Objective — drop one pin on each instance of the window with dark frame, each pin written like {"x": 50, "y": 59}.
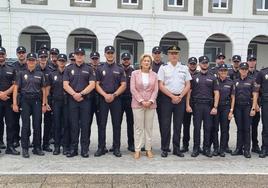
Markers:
{"x": 262, "y": 5}
{"x": 220, "y": 4}
{"x": 83, "y": 1}
{"x": 175, "y": 3}
{"x": 130, "y": 2}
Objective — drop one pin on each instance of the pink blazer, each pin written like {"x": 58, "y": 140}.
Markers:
{"x": 139, "y": 93}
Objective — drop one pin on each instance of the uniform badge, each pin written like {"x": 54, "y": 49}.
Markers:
{"x": 55, "y": 77}
{"x": 25, "y": 76}
{"x": 103, "y": 73}
{"x": 266, "y": 76}
{"x": 197, "y": 80}
{"x": 215, "y": 75}
{"x": 72, "y": 72}
{"x": 236, "y": 83}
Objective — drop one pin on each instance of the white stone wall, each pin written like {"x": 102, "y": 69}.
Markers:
{"x": 106, "y": 21}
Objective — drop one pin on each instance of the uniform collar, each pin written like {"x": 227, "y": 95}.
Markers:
{"x": 177, "y": 65}
{"x": 110, "y": 65}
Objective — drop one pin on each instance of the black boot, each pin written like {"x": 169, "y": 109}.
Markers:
{"x": 2, "y": 145}
{"x": 38, "y": 151}
{"x": 237, "y": 152}
{"x": 215, "y": 152}
{"x": 131, "y": 148}
{"x": 100, "y": 152}
{"x": 256, "y": 149}
{"x": 178, "y": 153}
{"x": 72, "y": 153}
{"x": 184, "y": 149}
{"x": 263, "y": 153}
{"x": 195, "y": 153}
{"x": 25, "y": 153}
{"x": 11, "y": 150}
{"x": 56, "y": 151}
{"x": 117, "y": 153}
{"x": 247, "y": 154}
{"x": 207, "y": 153}
{"x": 47, "y": 148}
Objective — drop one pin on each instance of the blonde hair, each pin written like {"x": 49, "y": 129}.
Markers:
{"x": 143, "y": 57}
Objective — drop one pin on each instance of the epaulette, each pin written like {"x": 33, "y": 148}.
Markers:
{"x": 68, "y": 64}
{"x": 51, "y": 67}
{"x": 11, "y": 64}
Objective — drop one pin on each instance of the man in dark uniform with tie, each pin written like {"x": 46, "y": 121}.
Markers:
{"x": 31, "y": 84}
{"x": 111, "y": 83}
{"x": 78, "y": 82}
{"x": 204, "y": 94}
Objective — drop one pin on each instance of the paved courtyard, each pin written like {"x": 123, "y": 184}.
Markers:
{"x": 127, "y": 165}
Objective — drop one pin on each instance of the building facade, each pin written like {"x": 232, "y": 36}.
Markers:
{"x": 197, "y": 26}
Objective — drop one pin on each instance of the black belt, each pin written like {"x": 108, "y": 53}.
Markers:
{"x": 202, "y": 101}
{"x": 243, "y": 103}
{"x": 224, "y": 103}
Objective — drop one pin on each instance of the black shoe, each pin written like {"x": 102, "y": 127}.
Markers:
{"x": 117, "y": 153}
{"x": 131, "y": 148}
{"x": 256, "y": 149}
{"x": 178, "y": 153}
{"x": 215, "y": 152}
{"x": 263, "y": 153}
{"x": 47, "y": 148}
{"x": 72, "y": 154}
{"x": 65, "y": 151}
{"x": 228, "y": 150}
{"x": 237, "y": 152}
{"x": 195, "y": 153}
{"x": 222, "y": 153}
{"x": 2, "y": 145}
{"x": 56, "y": 151}
{"x": 16, "y": 144}
{"x": 200, "y": 150}
{"x": 84, "y": 154}
{"x": 25, "y": 153}
{"x": 12, "y": 151}
{"x": 164, "y": 154}
{"x": 207, "y": 153}
{"x": 247, "y": 154}
{"x": 38, "y": 151}
{"x": 184, "y": 149}
{"x": 100, "y": 152}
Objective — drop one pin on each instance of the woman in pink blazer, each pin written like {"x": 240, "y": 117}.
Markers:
{"x": 144, "y": 88}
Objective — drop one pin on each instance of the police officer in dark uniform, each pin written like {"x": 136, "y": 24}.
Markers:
{"x": 192, "y": 65}
{"x": 234, "y": 72}
{"x": 225, "y": 111}
{"x": 219, "y": 61}
{"x": 71, "y": 58}
{"x": 19, "y": 65}
{"x": 157, "y": 62}
{"x": 262, "y": 81}
{"x": 252, "y": 73}
{"x": 53, "y": 57}
{"x": 78, "y": 82}
{"x": 204, "y": 94}
{"x": 95, "y": 97}
{"x": 7, "y": 77}
{"x": 31, "y": 84}
{"x": 126, "y": 101}
{"x": 245, "y": 89}
{"x": 46, "y": 69}
{"x": 111, "y": 83}
{"x": 59, "y": 105}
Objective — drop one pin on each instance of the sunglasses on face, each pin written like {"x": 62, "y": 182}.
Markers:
{"x": 110, "y": 52}
{"x": 94, "y": 58}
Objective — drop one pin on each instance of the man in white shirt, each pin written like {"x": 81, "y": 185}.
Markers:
{"x": 174, "y": 82}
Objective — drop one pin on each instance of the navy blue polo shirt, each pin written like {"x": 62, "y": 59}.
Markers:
{"x": 156, "y": 66}
{"x": 110, "y": 77}
{"x": 262, "y": 81}
{"x": 7, "y": 76}
{"x": 78, "y": 76}
{"x": 243, "y": 89}
{"x": 128, "y": 72}
{"x": 55, "y": 81}
{"x": 203, "y": 86}
{"x": 226, "y": 90}
{"x": 31, "y": 83}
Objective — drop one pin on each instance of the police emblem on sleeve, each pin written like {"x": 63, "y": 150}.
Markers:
{"x": 25, "y": 76}
{"x": 55, "y": 77}
{"x": 197, "y": 80}
{"x": 236, "y": 83}
{"x": 72, "y": 72}
{"x": 103, "y": 73}
{"x": 266, "y": 76}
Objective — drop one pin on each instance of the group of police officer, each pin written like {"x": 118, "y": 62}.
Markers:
{"x": 69, "y": 93}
